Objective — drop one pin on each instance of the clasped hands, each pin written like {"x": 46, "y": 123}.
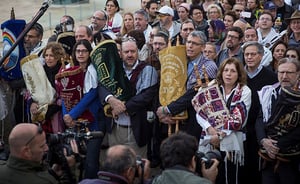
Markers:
{"x": 270, "y": 147}
{"x": 117, "y": 106}
{"x": 164, "y": 116}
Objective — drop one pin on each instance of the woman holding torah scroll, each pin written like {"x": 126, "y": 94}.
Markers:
{"x": 45, "y": 106}
{"x": 87, "y": 106}
{"x": 222, "y": 109}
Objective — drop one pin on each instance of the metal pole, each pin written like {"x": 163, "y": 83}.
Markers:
{"x": 40, "y": 13}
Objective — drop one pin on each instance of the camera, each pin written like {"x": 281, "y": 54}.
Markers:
{"x": 60, "y": 142}
{"x": 207, "y": 158}
{"x": 139, "y": 164}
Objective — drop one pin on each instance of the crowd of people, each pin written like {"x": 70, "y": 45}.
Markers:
{"x": 240, "y": 99}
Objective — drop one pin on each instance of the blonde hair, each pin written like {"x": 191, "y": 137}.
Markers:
{"x": 124, "y": 30}
{"x": 218, "y": 9}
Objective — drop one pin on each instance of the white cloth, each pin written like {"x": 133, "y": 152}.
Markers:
{"x": 90, "y": 79}
{"x": 267, "y": 40}
{"x": 265, "y": 98}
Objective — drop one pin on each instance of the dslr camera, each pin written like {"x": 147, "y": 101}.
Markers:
{"x": 207, "y": 158}
{"x": 139, "y": 164}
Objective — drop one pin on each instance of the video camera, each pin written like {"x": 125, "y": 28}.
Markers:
{"x": 60, "y": 141}
{"x": 207, "y": 158}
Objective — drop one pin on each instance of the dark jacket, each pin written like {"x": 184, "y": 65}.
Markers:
{"x": 19, "y": 171}
{"x": 106, "y": 178}
{"x": 179, "y": 175}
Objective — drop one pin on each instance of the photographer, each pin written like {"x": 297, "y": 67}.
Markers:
{"x": 121, "y": 166}
{"x": 179, "y": 162}
{"x": 27, "y": 143}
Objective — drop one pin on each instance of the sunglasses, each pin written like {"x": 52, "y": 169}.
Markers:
{"x": 128, "y": 38}
{"x": 39, "y": 132}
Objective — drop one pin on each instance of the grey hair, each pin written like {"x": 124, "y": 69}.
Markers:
{"x": 260, "y": 48}
{"x": 290, "y": 60}
{"x": 200, "y": 35}
{"x": 142, "y": 12}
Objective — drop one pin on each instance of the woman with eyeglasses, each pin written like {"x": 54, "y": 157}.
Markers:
{"x": 88, "y": 107}
{"x": 115, "y": 19}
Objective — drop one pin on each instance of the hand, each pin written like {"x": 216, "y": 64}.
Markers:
{"x": 68, "y": 120}
{"x": 117, "y": 106}
{"x": 215, "y": 141}
{"x": 71, "y": 159}
{"x": 167, "y": 120}
{"x": 212, "y": 172}
{"x": 160, "y": 112}
{"x": 147, "y": 170}
{"x": 270, "y": 147}
{"x": 34, "y": 108}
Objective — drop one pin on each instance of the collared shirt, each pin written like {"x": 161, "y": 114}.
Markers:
{"x": 224, "y": 54}
{"x": 129, "y": 71}
{"x": 293, "y": 42}
{"x": 253, "y": 74}
{"x": 210, "y": 66}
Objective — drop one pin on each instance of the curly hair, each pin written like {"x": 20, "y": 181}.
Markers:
{"x": 57, "y": 50}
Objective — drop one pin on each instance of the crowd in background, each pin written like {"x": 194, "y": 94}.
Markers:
{"x": 250, "y": 52}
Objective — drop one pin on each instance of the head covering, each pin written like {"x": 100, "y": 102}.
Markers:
{"x": 269, "y": 5}
{"x": 219, "y": 34}
{"x": 185, "y": 5}
{"x": 166, "y": 10}
{"x": 295, "y": 15}
{"x": 218, "y": 27}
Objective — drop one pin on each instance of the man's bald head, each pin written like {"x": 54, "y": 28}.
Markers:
{"x": 118, "y": 159}
{"x": 20, "y": 135}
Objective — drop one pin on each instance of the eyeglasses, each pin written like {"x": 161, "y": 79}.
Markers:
{"x": 194, "y": 43}
{"x": 286, "y": 72}
{"x": 232, "y": 37}
{"x": 97, "y": 18}
{"x": 237, "y": 10}
{"x": 162, "y": 15}
{"x": 291, "y": 56}
{"x": 213, "y": 12}
{"x": 252, "y": 54}
{"x": 78, "y": 51}
{"x": 128, "y": 39}
{"x": 39, "y": 132}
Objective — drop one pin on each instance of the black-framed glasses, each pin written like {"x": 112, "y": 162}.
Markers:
{"x": 39, "y": 131}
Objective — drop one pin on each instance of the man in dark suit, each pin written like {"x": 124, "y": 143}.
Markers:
{"x": 195, "y": 44}
{"x": 131, "y": 124}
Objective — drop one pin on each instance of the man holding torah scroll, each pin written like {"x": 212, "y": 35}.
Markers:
{"x": 194, "y": 50}
{"x": 131, "y": 124}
